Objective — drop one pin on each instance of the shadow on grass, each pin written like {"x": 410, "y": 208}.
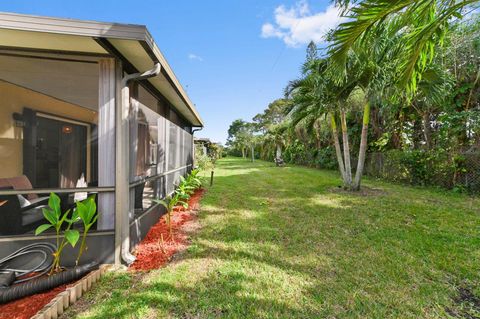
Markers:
{"x": 151, "y": 300}
{"x": 339, "y": 254}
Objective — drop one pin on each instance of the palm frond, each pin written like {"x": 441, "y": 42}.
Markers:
{"x": 420, "y": 23}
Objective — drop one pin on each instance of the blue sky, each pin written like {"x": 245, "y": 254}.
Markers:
{"x": 232, "y": 57}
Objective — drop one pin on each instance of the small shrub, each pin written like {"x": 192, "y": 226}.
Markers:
{"x": 326, "y": 158}
{"x": 87, "y": 212}
{"x": 169, "y": 203}
{"x": 182, "y": 193}
{"x": 205, "y": 163}
{"x": 56, "y": 220}
{"x": 417, "y": 167}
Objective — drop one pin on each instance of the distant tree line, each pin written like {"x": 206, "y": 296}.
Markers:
{"x": 400, "y": 78}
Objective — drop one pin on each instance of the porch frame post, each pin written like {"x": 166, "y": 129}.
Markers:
{"x": 106, "y": 142}
{"x": 122, "y": 163}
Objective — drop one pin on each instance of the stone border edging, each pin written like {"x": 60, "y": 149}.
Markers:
{"x": 64, "y": 299}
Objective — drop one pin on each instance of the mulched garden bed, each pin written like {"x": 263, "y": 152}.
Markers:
{"x": 153, "y": 252}
{"x": 27, "y": 307}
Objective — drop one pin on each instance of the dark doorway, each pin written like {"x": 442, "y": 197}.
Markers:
{"x": 60, "y": 154}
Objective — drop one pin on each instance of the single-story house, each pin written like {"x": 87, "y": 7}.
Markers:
{"x": 202, "y": 145}
{"x": 88, "y": 108}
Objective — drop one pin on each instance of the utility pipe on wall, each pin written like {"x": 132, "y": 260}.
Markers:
{"x": 122, "y": 159}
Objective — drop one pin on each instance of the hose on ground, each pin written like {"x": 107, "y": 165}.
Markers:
{"x": 45, "y": 283}
{"x": 45, "y": 250}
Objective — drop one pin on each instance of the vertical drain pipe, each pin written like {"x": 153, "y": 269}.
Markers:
{"x": 122, "y": 159}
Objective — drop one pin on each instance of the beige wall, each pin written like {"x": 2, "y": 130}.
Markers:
{"x": 13, "y": 99}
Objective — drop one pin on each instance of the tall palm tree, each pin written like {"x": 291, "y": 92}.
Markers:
{"x": 321, "y": 91}
{"x": 276, "y": 136}
{"x": 316, "y": 95}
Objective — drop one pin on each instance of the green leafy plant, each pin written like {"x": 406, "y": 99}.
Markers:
{"x": 204, "y": 163}
{"x": 185, "y": 188}
{"x": 87, "y": 212}
{"x": 188, "y": 185}
{"x": 56, "y": 220}
{"x": 169, "y": 203}
{"x": 194, "y": 180}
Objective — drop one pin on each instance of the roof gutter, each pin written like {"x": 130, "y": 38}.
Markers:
{"x": 154, "y": 52}
{"x": 197, "y": 129}
{"x": 122, "y": 158}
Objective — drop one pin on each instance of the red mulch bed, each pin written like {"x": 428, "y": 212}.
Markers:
{"x": 152, "y": 253}
{"x": 28, "y": 307}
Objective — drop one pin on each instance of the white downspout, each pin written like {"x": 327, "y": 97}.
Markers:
{"x": 122, "y": 159}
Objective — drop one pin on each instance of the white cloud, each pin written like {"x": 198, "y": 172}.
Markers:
{"x": 297, "y": 25}
{"x": 192, "y": 56}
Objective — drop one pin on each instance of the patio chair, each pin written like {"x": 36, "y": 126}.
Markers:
{"x": 22, "y": 183}
{"x": 18, "y": 215}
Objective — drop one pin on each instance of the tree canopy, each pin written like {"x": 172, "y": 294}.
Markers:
{"x": 399, "y": 77}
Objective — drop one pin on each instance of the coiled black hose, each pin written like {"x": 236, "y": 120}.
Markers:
{"x": 45, "y": 250}
{"x": 42, "y": 284}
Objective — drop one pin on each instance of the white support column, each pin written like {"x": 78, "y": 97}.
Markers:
{"x": 106, "y": 142}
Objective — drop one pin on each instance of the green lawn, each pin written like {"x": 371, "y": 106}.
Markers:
{"x": 286, "y": 243}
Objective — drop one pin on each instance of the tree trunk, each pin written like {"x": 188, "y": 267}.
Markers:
{"x": 278, "y": 154}
{"x": 427, "y": 132}
{"x": 253, "y": 153}
{"x": 336, "y": 142}
{"x": 346, "y": 151}
{"x": 417, "y": 134}
{"x": 243, "y": 152}
{"x": 363, "y": 147}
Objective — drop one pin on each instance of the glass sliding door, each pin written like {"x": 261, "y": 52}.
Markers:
{"x": 60, "y": 152}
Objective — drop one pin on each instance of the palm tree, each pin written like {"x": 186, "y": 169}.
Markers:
{"x": 273, "y": 140}
{"x": 321, "y": 91}
{"x": 314, "y": 96}
{"x": 421, "y": 24}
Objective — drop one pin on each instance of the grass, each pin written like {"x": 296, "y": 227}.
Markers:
{"x": 286, "y": 243}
